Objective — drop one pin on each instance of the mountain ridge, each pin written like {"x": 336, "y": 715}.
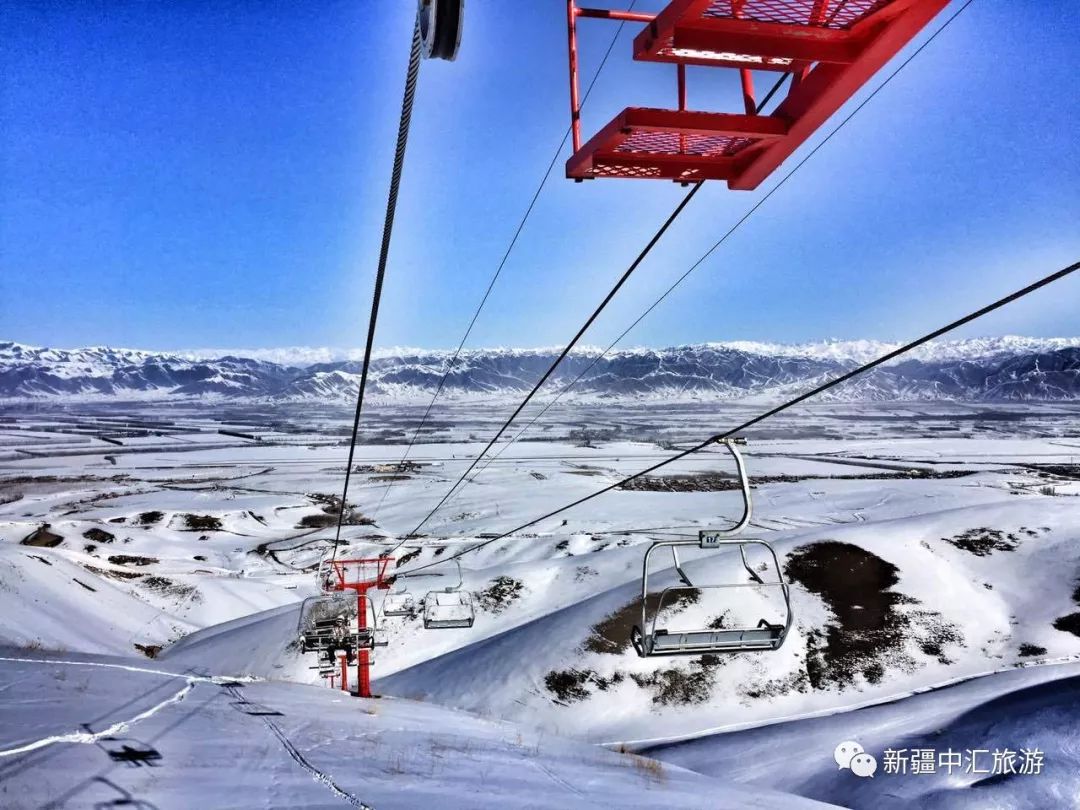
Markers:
{"x": 981, "y": 369}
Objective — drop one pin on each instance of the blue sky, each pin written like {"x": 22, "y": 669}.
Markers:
{"x": 184, "y": 175}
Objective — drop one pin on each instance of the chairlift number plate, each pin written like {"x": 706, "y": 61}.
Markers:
{"x": 711, "y": 539}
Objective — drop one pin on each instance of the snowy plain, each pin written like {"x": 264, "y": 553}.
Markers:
{"x": 198, "y": 547}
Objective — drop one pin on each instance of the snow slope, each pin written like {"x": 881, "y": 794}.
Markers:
{"x": 101, "y": 732}
{"x": 961, "y": 614}
{"x": 1037, "y": 708}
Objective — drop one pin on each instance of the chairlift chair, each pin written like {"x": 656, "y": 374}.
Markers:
{"x": 649, "y": 639}
{"x": 400, "y": 603}
{"x": 371, "y": 636}
{"x": 319, "y": 619}
{"x": 449, "y": 608}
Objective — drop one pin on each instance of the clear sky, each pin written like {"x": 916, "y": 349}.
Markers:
{"x": 213, "y": 174}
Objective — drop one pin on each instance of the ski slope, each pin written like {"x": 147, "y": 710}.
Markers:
{"x": 1027, "y": 709}
{"x": 97, "y": 731}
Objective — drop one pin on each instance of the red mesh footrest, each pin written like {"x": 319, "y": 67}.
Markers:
{"x": 673, "y": 144}
{"x": 761, "y": 34}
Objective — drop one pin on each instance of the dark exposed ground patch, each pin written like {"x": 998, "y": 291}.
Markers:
{"x": 873, "y": 623}
{"x": 149, "y": 518}
{"x": 132, "y": 559}
{"x": 568, "y": 685}
{"x": 331, "y": 505}
{"x": 99, "y": 535}
{"x": 1031, "y": 650}
{"x": 102, "y": 572}
{"x": 407, "y": 557}
{"x": 676, "y": 686}
{"x": 149, "y": 650}
{"x": 166, "y": 586}
{"x": 983, "y": 542}
{"x": 201, "y": 523}
{"x": 1070, "y": 471}
{"x": 1068, "y": 624}
{"x": 572, "y": 685}
{"x": 80, "y": 582}
{"x": 797, "y": 681}
{"x": 319, "y": 520}
{"x": 398, "y": 469}
{"x": 717, "y": 482}
{"x": 612, "y": 635}
{"x": 41, "y": 537}
{"x": 502, "y": 592}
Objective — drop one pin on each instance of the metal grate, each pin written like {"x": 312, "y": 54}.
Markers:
{"x": 601, "y": 169}
{"x": 837, "y": 14}
{"x": 666, "y": 50}
{"x": 676, "y": 143}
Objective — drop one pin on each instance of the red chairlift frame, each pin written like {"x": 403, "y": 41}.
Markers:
{"x": 367, "y": 573}
{"x": 831, "y": 48}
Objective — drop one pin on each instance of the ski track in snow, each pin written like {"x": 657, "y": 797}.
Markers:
{"x": 86, "y": 737}
{"x": 301, "y": 760}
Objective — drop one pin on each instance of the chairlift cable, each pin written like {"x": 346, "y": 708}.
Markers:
{"x": 834, "y": 382}
{"x": 388, "y": 227}
{"x": 641, "y": 317}
{"x": 499, "y": 268}
{"x": 569, "y": 346}
{"x": 730, "y": 232}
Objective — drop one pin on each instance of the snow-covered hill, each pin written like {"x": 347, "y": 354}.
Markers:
{"x": 1007, "y": 368}
{"x": 90, "y": 731}
{"x": 1032, "y": 710}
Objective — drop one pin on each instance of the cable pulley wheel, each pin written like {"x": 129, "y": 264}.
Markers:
{"x": 440, "y": 27}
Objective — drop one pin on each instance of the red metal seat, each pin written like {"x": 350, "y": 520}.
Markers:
{"x": 830, "y": 47}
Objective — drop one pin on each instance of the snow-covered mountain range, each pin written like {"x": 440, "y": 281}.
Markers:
{"x": 1005, "y": 368}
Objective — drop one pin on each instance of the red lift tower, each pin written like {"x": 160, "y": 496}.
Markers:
{"x": 830, "y": 48}
{"x": 360, "y": 575}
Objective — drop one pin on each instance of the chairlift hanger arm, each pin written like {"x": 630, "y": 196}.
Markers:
{"x": 740, "y": 524}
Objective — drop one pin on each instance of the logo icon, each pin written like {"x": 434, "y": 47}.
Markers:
{"x": 849, "y": 754}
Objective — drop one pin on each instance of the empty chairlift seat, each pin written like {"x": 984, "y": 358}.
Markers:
{"x": 401, "y": 603}
{"x": 654, "y": 636}
{"x": 448, "y": 609}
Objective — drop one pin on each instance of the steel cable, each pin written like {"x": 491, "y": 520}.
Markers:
{"x": 411, "y": 77}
